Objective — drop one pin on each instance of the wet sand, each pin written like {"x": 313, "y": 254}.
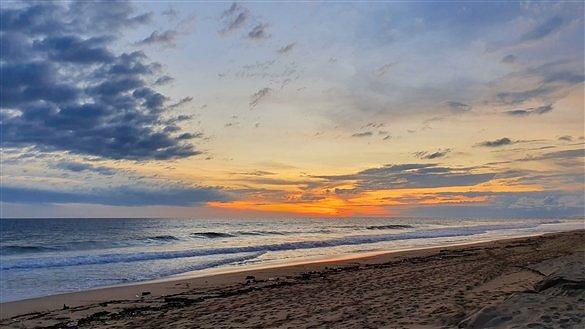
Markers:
{"x": 525, "y": 282}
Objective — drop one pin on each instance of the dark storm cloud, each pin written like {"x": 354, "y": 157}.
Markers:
{"x": 432, "y": 155}
{"x": 497, "y": 143}
{"x": 84, "y": 167}
{"x": 119, "y": 196}
{"x": 531, "y": 111}
{"x": 59, "y": 102}
{"x": 166, "y": 38}
{"x": 411, "y": 176}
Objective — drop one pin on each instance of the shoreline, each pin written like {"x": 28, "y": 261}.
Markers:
{"x": 69, "y": 287}
{"x": 215, "y": 276}
{"x": 176, "y": 285}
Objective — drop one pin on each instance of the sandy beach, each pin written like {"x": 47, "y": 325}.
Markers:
{"x": 516, "y": 283}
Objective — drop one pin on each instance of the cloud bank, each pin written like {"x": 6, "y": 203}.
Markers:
{"x": 64, "y": 89}
{"x": 119, "y": 196}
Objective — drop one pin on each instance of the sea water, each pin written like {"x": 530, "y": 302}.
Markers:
{"x": 40, "y": 257}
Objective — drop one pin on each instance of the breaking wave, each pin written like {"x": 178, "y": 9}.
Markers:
{"x": 211, "y": 235}
{"x": 31, "y": 263}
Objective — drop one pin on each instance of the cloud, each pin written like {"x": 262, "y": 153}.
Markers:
{"x": 233, "y": 9}
{"x": 259, "y": 96}
{"x": 546, "y": 204}
{"x": 96, "y": 16}
{"x": 164, "y": 80}
{"x": 259, "y": 32}
{"x": 518, "y": 97}
{"x": 543, "y": 30}
{"x": 382, "y": 70}
{"x": 412, "y": 175}
{"x": 117, "y": 196}
{"x": 269, "y": 69}
{"x": 262, "y": 179}
{"x": 187, "y": 23}
{"x": 81, "y": 17}
{"x": 185, "y": 136}
{"x": 565, "y": 154}
{"x": 568, "y": 72}
{"x": 432, "y": 155}
{"x": 182, "y": 102}
{"x": 566, "y": 138}
{"x": 509, "y": 59}
{"x": 497, "y": 143}
{"x": 287, "y": 49}
{"x": 363, "y": 134}
{"x": 551, "y": 80}
{"x": 53, "y": 100}
{"x": 374, "y": 125}
{"x": 84, "y": 167}
{"x": 458, "y": 107}
{"x": 256, "y": 173}
{"x": 259, "y": 173}
{"x": 531, "y": 111}
{"x": 546, "y": 201}
{"x": 171, "y": 13}
{"x": 75, "y": 49}
{"x": 234, "y": 18}
{"x": 166, "y": 38}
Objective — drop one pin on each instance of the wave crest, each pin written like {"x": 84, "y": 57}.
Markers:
{"x": 211, "y": 235}
{"x": 30, "y": 263}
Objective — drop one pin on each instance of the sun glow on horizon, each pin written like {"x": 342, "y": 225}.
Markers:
{"x": 380, "y": 202}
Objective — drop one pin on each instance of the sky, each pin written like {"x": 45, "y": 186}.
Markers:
{"x": 292, "y": 109}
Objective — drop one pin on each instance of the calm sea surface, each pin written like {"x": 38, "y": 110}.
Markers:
{"x": 41, "y": 257}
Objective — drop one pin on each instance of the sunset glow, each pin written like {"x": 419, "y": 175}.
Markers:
{"x": 244, "y": 110}
{"x": 380, "y": 202}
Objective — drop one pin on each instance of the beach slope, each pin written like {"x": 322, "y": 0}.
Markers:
{"x": 534, "y": 281}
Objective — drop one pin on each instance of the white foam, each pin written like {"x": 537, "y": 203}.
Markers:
{"x": 109, "y": 258}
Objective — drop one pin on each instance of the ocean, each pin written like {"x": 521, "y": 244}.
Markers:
{"x": 41, "y": 257}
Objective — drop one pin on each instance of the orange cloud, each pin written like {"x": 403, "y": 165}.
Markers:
{"x": 331, "y": 206}
{"x": 378, "y": 202}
